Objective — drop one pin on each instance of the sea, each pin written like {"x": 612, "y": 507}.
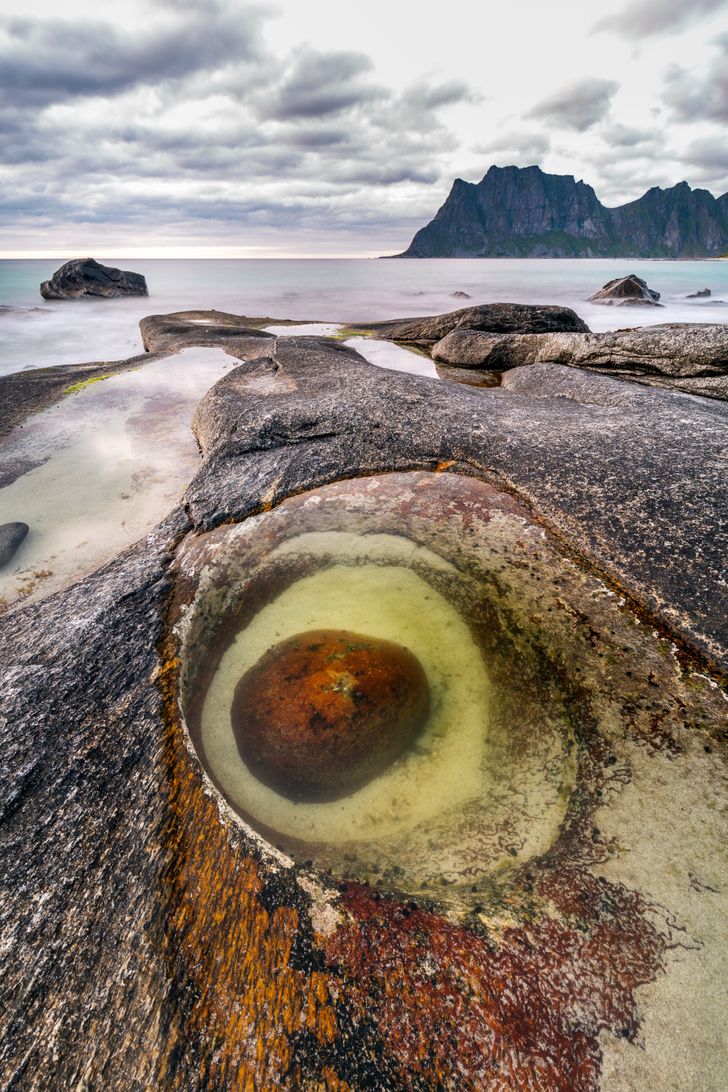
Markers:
{"x": 35, "y": 333}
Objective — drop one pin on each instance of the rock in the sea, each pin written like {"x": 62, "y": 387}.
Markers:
{"x": 701, "y": 294}
{"x": 461, "y": 295}
{"x": 494, "y": 318}
{"x": 87, "y": 277}
{"x": 11, "y": 535}
{"x": 626, "y": 290}
{"x": 690, "y": 356}
{"x": 324, "y": 712}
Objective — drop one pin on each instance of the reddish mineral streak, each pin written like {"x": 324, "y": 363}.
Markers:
{"x": 324, "y": 712}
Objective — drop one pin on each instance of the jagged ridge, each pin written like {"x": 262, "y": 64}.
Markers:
{"x": 522, "y": 212}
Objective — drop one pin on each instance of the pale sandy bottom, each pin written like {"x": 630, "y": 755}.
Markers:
{"x": 114, "y": 458}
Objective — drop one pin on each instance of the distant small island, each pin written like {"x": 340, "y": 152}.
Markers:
{"x": 522, "y": 212}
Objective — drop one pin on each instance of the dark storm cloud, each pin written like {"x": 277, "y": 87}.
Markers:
{"x": 321, "y": 84}
{"x": 578, "y": 106}
{"x": 51, "y": 60}
{"x": 700, "y": 95}
{"x": 651, "y": 17}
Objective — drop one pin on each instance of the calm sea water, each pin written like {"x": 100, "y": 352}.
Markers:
{"x": 34, "y": 333}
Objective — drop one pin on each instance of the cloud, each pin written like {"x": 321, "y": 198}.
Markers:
{"x": 625, "y": 136}
{"x": 578, "y": 106}
{"x": 652, "y": 17}
{"x": 187, "y": 123}
{"x": 517, "y": 148}
{"x": 52, "y": 60}
{"x": 321, "y": 84}
{"x": 700, "y": 95}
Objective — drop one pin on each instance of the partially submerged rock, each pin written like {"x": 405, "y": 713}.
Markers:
{"x": 496, "y": 318}
{"x": 87, "y": 277}
{"x": 701, "y": 294}
{"x": 11, "y": 536}
{"x": 631, "y": 290}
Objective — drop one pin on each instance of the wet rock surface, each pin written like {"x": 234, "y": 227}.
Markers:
{"x": 87, "y": 277}
{"x": 324, "y": 712}
{"x": 630, "y": 291}
{"x": 156, "y": 941}
{"x": 11, "y": 536}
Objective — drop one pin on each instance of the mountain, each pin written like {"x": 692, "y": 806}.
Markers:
{"x": 522, "y": 212}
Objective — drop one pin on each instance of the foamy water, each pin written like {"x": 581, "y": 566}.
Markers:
{"x": 34, "y": 332}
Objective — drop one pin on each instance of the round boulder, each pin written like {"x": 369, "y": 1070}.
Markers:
{"x": 323, "y": 713}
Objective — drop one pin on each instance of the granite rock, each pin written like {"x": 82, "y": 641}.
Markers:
{"x": 496, "y": 318}
{"x": 158, "y": 942}
{"x": 690, "y": 357}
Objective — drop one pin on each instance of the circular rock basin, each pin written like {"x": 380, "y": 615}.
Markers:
{"x": 468, "y": 758}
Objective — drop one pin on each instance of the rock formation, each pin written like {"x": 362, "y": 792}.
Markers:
{"x": 631, "y": 290}
{"x": 496, "y": 318}
{"x": 526, "y": 213}
{"x": 158, "y": 940}
{"x": 689, "y": 357}
{"x": 83, "y": 277}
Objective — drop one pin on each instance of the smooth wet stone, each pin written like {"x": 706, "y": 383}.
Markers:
{"x": 324, "y": 712}
{"x": 11, "y": 536}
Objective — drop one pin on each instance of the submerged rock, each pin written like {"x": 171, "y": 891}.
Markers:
{"x": 11, "y": 536}
{"x": 626, "y": 290}
{"x": 87, "y": 277}
{"x": 701, "y": 294}
{"x": 322, "y": 713}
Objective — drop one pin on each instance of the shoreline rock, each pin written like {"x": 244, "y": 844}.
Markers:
{"x": 627, "y": 291}
{"x": 11, "y": 537}
{"x": 85, "y": 277}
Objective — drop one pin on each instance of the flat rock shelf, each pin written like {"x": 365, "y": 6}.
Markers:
{"x": 532, "y": 894}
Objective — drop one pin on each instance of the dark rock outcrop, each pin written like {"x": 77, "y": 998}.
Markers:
{"x": 526, "y": 213}
{"x": 86, "y": 277}
{"x": 701, "y": 294}
{"x": 496, "y": 318}
{"x": 631, "y": 290}
{"x": 11, "y": 536}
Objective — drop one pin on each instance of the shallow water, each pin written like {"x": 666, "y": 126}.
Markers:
{"x": 108, "y": 463}
{"x": 34, "y": 332}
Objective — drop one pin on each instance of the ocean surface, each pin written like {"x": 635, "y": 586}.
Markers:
{"x": 35, "y": 333}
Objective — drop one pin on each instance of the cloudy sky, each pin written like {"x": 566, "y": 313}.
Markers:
{"x": 314, "y": 127}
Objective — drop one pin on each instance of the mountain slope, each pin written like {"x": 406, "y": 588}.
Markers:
{"x": 524, "y": 212}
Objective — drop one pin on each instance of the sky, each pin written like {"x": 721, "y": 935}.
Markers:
{"x": 315, "y": 128}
